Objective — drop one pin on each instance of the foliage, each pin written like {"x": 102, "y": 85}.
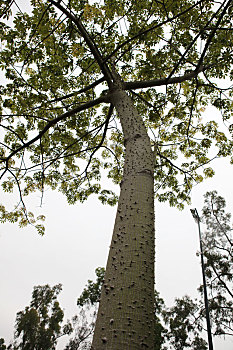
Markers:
{"x": 56, "y": 128}
{"x": 2, "y": 345}
{"x": 83, "y": 326}
{"x": 218, "y": 244}
{"x": 91, "y": 293}
{"x": 183, "y": 329}
{"x": 39, "y": 325}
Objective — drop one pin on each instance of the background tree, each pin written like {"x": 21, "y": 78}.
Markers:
{"x": 91, "y": 293}
{"x": 2, "y": 344}
{"x": 184, "y": 327}
{"x": 56, "y": 134}
{"x": 186, "y": 318}
{"x": 83, "y": 328}
{"x": 83, "y": 323}
{"x": 39, "y": 325}
{"x": 218, "y": 244}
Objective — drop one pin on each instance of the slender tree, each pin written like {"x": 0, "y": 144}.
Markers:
{"x": 153, "y": 66}
{"x": 218, "y": 253}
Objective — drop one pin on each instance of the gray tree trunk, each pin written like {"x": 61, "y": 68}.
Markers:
{"x": 125, "y": 319}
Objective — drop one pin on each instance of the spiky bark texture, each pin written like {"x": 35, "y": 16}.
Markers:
{"x": 125, "y": 318}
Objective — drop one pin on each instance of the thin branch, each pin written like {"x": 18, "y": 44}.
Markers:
{"x": 114, "y": 155}
{"x": 147, "y": 103}
{"x": 192, "y": 43}
{"x": 213, "y": 33}
{"x": 149, "y": 29}
{"x": 222, "y": 228}
{"x": 191, "y": 110}
{"x": 89, "y": 41}
{"x": 42, "y": 172}
{"x": 62, "y": 155}
{"x": 24, "y": 115}
{"x": 55, "y": 121}
{"x": 20, "y": 196}
{"x": 173, "y": 165}
{"x": 224, "y": 249}
{"x": 213, "y": 85}
{"x": 221, "y": 281}
{"x": 133, "y": 85}
{"x": 103, "y": 136}
{"x": 75, "y": 93}
{"x": 8, "y": 6}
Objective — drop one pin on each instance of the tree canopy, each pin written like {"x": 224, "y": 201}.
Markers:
{"x": 59, "y": 57}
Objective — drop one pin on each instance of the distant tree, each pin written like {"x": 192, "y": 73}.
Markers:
{"x": 2, "y": 344}
{"x": 38, "y": 326}
{"x": 218, "y": 253}
{"x": 83, "y": 325}
{"x": 186, "y": 319}
{"x": 91, "y": 293}
{"x": 184, "y": 330}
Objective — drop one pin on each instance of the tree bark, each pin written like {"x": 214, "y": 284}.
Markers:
{"x": 125, "y": 319}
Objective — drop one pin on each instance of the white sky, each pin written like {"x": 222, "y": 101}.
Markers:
{"x": 77, "y": 240}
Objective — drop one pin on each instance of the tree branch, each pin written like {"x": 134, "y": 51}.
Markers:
{"x": 213, "y": 33}
{"x": 221, "y": 281}
{"x": 133, "y": 85}
{"x": 103, "y": 136}
{"x": 149, "y": 29}
{"x": 192, "y": 43}
{"x": 86, "y": 88}
{"x": 8, "y": 6}
{"x": 55, "y": 121}
{"x": 89, "y": 41}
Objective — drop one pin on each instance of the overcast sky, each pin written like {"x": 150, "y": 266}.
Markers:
{"x": 77, "y": 241}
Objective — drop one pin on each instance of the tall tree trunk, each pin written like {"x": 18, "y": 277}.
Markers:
{"x": 125, "y": 318}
